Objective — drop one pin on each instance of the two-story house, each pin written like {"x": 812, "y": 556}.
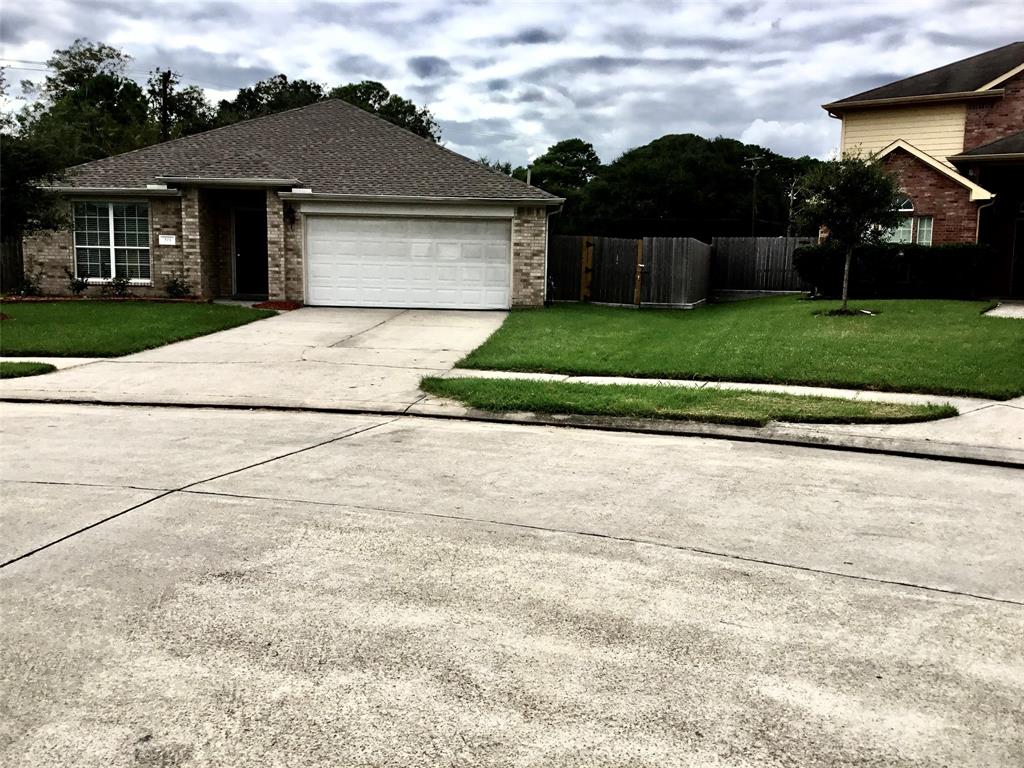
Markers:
{"x": 954, "y": 136}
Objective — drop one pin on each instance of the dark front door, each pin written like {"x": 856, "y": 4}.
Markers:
{"x": 250, "y": 239}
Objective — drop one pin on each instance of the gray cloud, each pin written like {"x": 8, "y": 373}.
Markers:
{"x": 357, "y": 66}
{"x": 528, "y": 36}
{"x": 430, "y": 66}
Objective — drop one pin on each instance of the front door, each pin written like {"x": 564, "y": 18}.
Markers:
{"x": 250, "y": 239}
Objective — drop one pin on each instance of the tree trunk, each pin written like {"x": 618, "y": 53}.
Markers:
{"x": 846, "y": 276}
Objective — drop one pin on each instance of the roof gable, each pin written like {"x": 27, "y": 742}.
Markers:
{"x": 975, "y": 74}
{"x": 977, "y": 192}
{"x": 331, "y": 147}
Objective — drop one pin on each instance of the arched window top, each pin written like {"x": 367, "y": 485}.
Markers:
{"x": 904, "y": 204}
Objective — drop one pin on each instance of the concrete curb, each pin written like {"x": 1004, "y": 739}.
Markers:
{"x": 776, "y": 434}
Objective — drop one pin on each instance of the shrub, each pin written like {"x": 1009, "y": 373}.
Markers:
{"x": 118, "y": 287}
{"x": 899, "y": 270}
{"x": 77, "y": 285}
{"x": 177, "y": 286}
{"x": 30, "y": 283}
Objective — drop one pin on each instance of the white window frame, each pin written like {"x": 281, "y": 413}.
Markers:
{"x": 906, "y": 207}
{"x": 111, "y": 246}
{"x": 930, "y": 228}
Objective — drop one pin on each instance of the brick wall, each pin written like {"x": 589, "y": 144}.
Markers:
{"x": 192, "y": 260}
{"x": 936, "y": 195}
{"x": 991, "y": 120}
{"x": 529, "y": 253}
{"x": 294, "y": 287}
{"x": 49, "y": 254}
{"x": 276, "y": 268}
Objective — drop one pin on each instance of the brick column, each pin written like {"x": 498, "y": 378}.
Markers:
{"x": 276, "y": 268}
{"x": 529, "y": 252}
{"x": 191, "y": 256}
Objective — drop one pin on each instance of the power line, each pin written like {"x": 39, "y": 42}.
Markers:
{"x": 134, "y": 72}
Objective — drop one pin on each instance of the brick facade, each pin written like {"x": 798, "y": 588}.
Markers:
{"x": 294, "y": 284}
{"x": 200, "y": 221}
{"x": 48, "y": 254}
{"x": 936, "y": 195}
{"x": 991, "y": 120}
{"x": 529, "y": 256}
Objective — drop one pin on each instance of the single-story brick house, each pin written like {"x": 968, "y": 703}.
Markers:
{"x": 325, "y": 205}
{"x": 954, "y": 136}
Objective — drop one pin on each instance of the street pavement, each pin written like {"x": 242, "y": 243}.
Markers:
{"x": 189, "y": 586}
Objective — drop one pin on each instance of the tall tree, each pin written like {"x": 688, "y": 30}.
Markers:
{"x": 375, "y": 98}
{"x": 275, "y": 94}
{"x": 87, "y": 108}
{"x": 855, "y": 198}
{"x": 566, "y": 167}
{"x": 177, "y": 111}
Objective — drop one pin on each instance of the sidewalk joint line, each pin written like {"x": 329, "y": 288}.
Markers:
{"x": 184, "y": 488}
{"x": 613, "y": 537}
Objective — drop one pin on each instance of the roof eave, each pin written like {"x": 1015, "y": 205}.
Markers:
{"x": 977, "y": 192}
{"x": 838, "y": 107}
{"x": 221, "y": 181}
{"x": 114, "y": 191}
{"x": 327, "y": 197}
{"x": 1015, "y": 156}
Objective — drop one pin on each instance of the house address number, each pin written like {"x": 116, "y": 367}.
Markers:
{"x": 167, "y": 239}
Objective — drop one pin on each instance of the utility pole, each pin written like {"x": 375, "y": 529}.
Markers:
{"x": 753, "y": 165}
{"x": 789, "y": 213}
{"x": 165, "y": 107}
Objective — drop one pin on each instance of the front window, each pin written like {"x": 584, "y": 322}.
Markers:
{"x": 112, "y": 239}
{"x": 902, "y": 232}
{"x": 924, "y": 230}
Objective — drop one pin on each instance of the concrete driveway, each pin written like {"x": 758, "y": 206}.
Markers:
{"x": 316, "y": 357}
{"x": 224, "y": 588}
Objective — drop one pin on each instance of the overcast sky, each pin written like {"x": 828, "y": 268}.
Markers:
{"x": 507, "y": 79}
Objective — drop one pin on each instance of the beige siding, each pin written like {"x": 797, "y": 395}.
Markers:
{"x": 937, "y": 129}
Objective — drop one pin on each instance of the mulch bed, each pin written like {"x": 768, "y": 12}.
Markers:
{"x": 15, "y": 299}
{"x": 283, "y": 306}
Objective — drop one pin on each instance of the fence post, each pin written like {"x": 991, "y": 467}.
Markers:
{"x": 586, "y": 266}
{"x": 638, "y": 282}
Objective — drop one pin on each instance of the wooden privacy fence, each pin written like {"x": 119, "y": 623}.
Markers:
{"x": 756, "y": 264}
{"x": 651, "y": 271}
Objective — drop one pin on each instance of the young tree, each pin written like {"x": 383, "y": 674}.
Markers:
{"x": 375, "y": 98}
{"x": 856, "y": 199}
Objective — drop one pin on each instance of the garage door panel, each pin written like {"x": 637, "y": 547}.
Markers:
{"x": 408, "y": 262}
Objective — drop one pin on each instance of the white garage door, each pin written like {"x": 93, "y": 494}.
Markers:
{"x": 408, "y": 262}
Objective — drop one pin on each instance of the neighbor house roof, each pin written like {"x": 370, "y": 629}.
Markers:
{"x": 1004, "y": 148}
{"x": 331, "y": 147}
{"x": 974, "y": 77}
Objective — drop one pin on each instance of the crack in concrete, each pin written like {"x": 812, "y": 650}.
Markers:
{"x": 621, "y": 539}
{"x": 87, "y": 485}
{"x": 184, "y": 488}
{"x": 367, "y": 330}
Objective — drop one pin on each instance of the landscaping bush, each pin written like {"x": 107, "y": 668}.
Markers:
{"x": 118, "y": 287}
{"x": 77, "y": 285}
{"x": 177, "y": 286}
{"x": 899, "y": 270}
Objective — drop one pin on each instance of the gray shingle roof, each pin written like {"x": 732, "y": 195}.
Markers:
{"x": 968, "y": 74}
{"x": 331, "y": 147}
{"x": 1008, "y": 145}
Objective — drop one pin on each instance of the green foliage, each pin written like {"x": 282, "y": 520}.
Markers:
{"x": 111, "y": 328}
{"x": 118, "y": 287}
{"x": 378, "y": 100}
{"x": 899, "y": 270}
{"x": 77, "y": 285}
{"x": 12, "y": 370}
{"x": 709, "y": 404}
{"x": 177, "y": 286}
{"x": 854, "y": 197}
{"x": 566, "y": 167}
{"x": 177, "y": 111}
{"x": 941, "y": 347}
{"x": 686, "y": 185}
{"x": 496, "y": 165}
{"x": 275, "y": 94}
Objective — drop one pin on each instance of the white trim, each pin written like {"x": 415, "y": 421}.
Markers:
{"x": 1003, "y": 78}
{"x": 407, "y": 210}
{"x": 112, "y": 246}
{"x": 420, "y": 200}
{"x": 977, "y": 192}
{"x": 226, "y": 181}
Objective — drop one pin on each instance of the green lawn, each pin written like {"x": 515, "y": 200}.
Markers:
{"x": 9, "y": 370}
{"x": 941, "y": 347}
{"x": 110, "y": 328}
{"x": 721, "y": 406}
